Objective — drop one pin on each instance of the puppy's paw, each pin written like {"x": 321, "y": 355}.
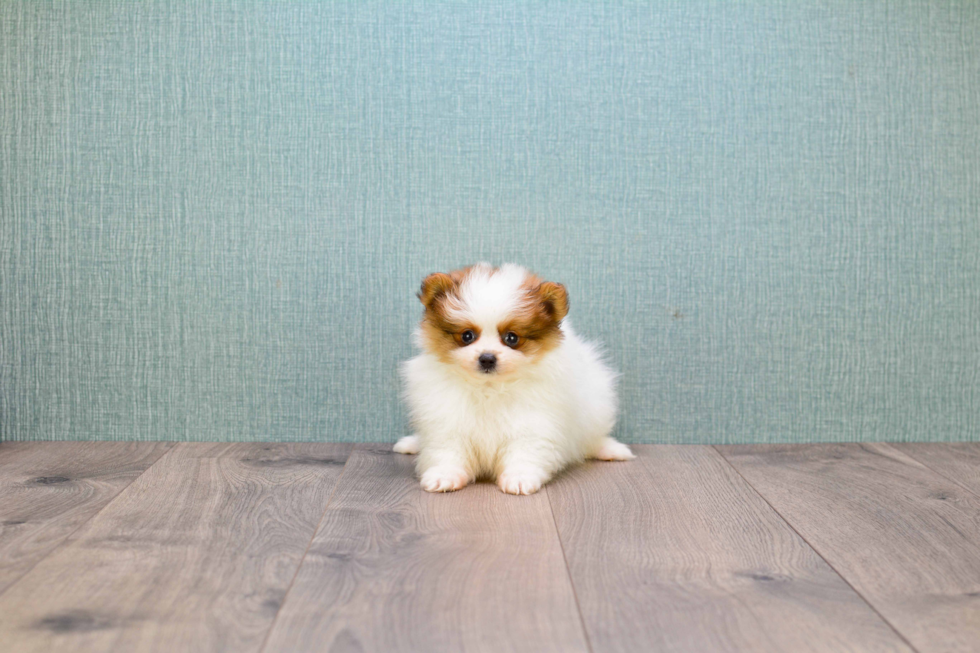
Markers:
{"x": 444, "y": 479}
{"x": 521, "y": 480}
{"x": 408, "y": 445}
{"x": 613, "y": 450}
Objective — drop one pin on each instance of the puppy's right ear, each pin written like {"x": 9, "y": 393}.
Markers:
{"x": 435, "y": 286}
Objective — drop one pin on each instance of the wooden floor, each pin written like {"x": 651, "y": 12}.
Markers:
{"x": 333, "y": 547}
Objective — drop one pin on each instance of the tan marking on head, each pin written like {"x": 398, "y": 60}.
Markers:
{"x": 537, "y": 322}
{"x": 439, "y": 284}
{"x": 441, "y": 332}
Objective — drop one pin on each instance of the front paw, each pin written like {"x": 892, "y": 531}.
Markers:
{"x": 444, "y": 479}
{"x": 521, "y": 480}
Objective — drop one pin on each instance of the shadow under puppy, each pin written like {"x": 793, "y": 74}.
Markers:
{"x": 503, "y": 388}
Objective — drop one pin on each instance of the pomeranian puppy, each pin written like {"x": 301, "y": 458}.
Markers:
{"x": 503, "y": 388}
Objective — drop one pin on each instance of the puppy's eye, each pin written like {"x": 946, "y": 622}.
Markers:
{"x": 511, "y": 339}
{"x": 467, "y": 336}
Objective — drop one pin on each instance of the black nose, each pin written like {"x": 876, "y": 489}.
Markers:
{"x": 487, "y": 361}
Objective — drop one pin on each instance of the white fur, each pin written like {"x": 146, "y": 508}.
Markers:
{"x": 520, "y": 425}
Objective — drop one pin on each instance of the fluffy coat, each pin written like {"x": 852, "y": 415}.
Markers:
{"x": 503, "y": 388}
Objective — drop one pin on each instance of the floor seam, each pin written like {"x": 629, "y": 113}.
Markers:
{"x": 816, "y": 551}
{"x": 68, "y": 538}
{"x": 930, "y": 468}
{"x": 568, "y": 572}
{"x": 302, "y": 560}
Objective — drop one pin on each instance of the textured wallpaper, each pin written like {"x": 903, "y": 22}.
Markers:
{"x": 214, "y": 216}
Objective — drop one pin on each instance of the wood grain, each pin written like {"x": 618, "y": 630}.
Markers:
{"x": 195, "y": 555}
{"x": 959, "y": 461}
{"x": 393, "y": 568}
{"x": 675, "y": 552}
{"x": 906, "y": 538}
{"x": 49, "y": 489}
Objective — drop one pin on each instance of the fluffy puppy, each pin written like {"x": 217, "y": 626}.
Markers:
{"x": 503, "y": 388}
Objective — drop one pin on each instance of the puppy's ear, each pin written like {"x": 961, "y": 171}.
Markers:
{"x": 554, "y": 300}
{"x": 435, "y": 286}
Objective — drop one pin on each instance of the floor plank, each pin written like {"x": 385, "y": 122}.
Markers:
{"x": 393, "y": 568}
{"x": 675, "y": 552}
{"x": 905, "y": 537}
{"x": 49, "y": 489}
{"x": 195, "y": 555}
{"x": 959, "y": 461}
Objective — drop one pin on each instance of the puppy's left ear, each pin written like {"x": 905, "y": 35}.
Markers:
{"x": 554, "y": 300}
{"x": 435, "y": 286}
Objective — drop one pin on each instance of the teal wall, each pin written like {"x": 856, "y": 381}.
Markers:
{"x": 215, "y": 215}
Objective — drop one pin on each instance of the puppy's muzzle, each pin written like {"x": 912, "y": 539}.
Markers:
{"x": 488, "y": 362}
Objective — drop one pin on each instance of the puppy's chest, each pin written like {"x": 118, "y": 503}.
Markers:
{"x": 489, "y": 422}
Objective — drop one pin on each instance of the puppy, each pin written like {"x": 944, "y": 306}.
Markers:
{"x": 503, "y": 388}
